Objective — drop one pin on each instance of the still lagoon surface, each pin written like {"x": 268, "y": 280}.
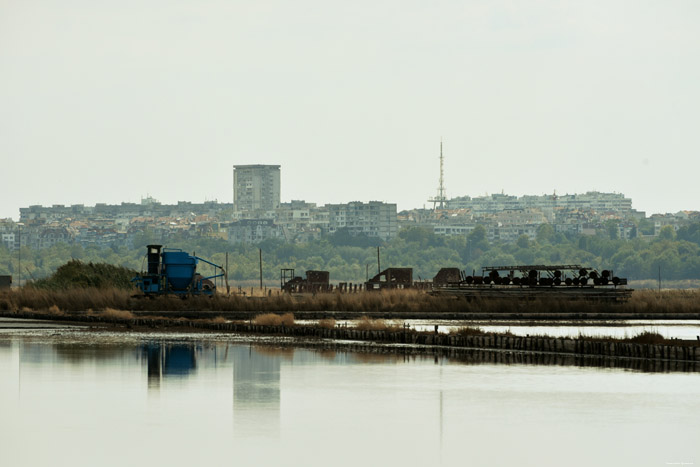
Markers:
{"x": 73, "y": 398}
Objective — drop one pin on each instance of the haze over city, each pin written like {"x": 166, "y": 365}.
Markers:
{"x": 111, "y": 101}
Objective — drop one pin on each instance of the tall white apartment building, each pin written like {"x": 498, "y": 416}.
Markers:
{"x": 256, "y": 187}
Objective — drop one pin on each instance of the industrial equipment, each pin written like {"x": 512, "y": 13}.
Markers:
{"x": 316, "y": 281}
{"x": 172, "y": 271}
{"x": 534, "y": 281}
{"x": 391, "y": 278}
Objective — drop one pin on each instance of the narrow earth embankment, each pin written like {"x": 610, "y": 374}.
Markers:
{"x": 677, "y": 351}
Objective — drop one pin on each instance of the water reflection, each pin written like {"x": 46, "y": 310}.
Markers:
{"x": 168, "y": 360}
{"x": 175, "y": 400}
{"x": 256, "y": 389}
{"x": 257, "y": 368}
{"x": 256, "y": 372}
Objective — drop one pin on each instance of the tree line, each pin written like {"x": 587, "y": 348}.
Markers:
{"x": 354, "y": 258}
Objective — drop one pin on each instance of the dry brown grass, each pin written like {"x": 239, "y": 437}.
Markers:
{"x": 71, "y": 300}
{"x": 328, "y": 323}
{"x": 367, "y": 324}
{"x": 5, "y": 304}
{"x": 468, "y": 331}
{"x": 116, "y": 314}
{"x": 54, "y": 310}
{"x": 647, "y": 337}
{"x": 666, "y": 301}
{"x": 288, "y": 319}
{"x": 272, "y": 319}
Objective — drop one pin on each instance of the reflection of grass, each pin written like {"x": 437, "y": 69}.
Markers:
{"x": 365, "y": 357}
{"x": 327, "y": 354}
{"x": 286, "y": 353}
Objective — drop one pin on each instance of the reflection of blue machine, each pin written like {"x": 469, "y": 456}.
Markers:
{"x": 173, "y": 271}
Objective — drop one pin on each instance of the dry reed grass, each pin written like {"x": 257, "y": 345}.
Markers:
{"x": 367, "y": 324}
{"x": 116, "y": 314}
{"x": 647, "y": 337}
{"x": 81, "y": 299}
{"x": 328, "y": 323}
{"x": 468, "y": 331}
{"x": 272, "y": 319}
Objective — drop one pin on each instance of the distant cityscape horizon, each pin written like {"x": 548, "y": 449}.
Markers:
{"x": 257, "y": 213}
{"x": 150, "y": 196}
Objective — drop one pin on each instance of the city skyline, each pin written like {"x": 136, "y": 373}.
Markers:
{"x": 450, "y": 200}
{"x": 104, "y": 104}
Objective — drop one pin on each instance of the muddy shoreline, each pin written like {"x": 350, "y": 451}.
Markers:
{"x": 427, "y": 315}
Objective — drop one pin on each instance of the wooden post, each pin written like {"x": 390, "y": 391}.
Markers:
{"x": 228, "y": 290}
{"x": 260, "y": 251}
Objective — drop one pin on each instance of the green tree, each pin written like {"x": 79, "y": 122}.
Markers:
{"x": 613, "y": 229}
{"x": 545, "y": 233}
{"x": 667, "y": 232}
{"x": 523, "y": 241}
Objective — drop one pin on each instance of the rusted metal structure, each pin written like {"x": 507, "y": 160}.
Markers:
{"x": 315, "y": 281}
{"x": 535, "y": 281}
{"x": 5, "y": 282}
{"x": 447, "y": 276}
{"x": 391, "y": 278}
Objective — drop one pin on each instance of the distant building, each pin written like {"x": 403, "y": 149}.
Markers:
{"x": 592, "y": 200}
{"x": 374, "y": 219}
{"x": 253, "y": 230}
{"x": 256, "y": 187}
{"x": 105, "y": 213}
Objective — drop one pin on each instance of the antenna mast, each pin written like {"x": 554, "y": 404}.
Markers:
{"x": 440, "y": 198}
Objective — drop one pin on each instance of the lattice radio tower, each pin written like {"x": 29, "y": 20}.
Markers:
{"x": 440, "y": 198}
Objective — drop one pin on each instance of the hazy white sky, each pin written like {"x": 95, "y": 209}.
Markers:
{"x": 107, "y": 101}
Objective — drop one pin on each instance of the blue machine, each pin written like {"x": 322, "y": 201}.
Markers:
{"x": 172, "y": 271}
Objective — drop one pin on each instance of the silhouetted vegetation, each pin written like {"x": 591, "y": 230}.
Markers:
{"x": 76, "y": 274}
{"x": 351, "y": 259}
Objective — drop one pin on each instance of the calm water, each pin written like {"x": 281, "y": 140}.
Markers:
{"x": 68, "y": 398}
{"x": 679, "y": 329}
